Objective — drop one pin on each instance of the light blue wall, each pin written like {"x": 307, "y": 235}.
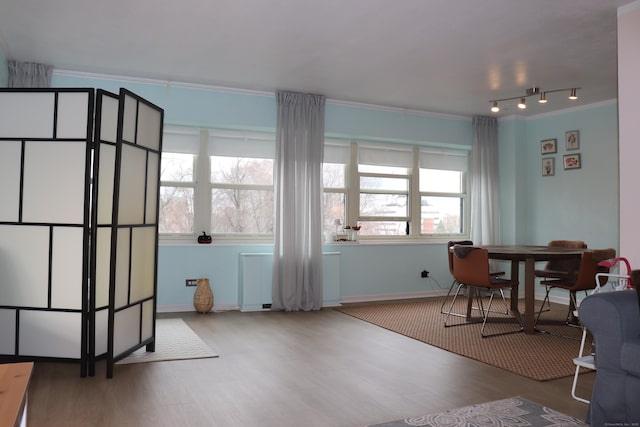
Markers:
{"x": 4, "y": 70}
{"x": 367, "y": 270}
{"x": 579, "y": 204}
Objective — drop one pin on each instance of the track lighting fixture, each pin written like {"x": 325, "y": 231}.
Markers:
{"x": 495, "y": 106}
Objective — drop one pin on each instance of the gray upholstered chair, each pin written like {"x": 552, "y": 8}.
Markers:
{"x": 613, "y": 318}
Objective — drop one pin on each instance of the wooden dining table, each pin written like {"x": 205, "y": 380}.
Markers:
{"x": 528, "y": 255}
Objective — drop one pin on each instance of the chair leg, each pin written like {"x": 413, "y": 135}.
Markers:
{"x": 453, "y": 284}
{"x": 450, "y": 312}
{"x": 486, "y": 316}
{"x": 453, "y": 301}
{"x": 570, "y": 320}
{"x": 504, "y": 300}
{"x": 546, "y": 299}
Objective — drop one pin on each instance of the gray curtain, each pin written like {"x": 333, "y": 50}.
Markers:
{"x": 485, "y": 203}
{"x": 29, "y": 74}
{"x": 297, "y": 269}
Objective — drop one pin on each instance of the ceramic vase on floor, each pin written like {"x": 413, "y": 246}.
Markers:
{"x": 203, "y": 297}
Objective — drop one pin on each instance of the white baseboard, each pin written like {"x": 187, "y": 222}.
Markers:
{"x": 181, "y": 308}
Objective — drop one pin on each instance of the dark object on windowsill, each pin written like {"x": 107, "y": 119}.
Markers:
{"x": 204, "y": 238}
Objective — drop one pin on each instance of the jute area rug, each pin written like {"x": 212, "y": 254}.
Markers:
{"x": 175, "y": 340}
{"x": 512, "y": 412}
{"x": 538, "y": 356}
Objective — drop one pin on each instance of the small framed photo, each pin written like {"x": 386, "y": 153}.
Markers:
{"x": 572, "y": 139}
{"x": 572, "y": 161}
{"x": 548, "y": 146}
{"x": 548, "y": 166}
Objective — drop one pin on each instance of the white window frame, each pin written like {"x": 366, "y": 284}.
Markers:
{"x": 202, "y": 192}
{"x": 414, "y": 196}
{"x": 203, "y": 187}
{"x": 241, "y": 237}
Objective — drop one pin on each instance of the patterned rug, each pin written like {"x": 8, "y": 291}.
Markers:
{"x": 175, "y": 340}
{"x": 512, "y": 412}
{"x": 538, "y": 356}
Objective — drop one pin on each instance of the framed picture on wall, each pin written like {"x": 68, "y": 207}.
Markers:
{"x": 548, "y": 166}
{"x": 548, "y": 146}
{"x": 572, "y": 139}
{"x": 572, "y": 161}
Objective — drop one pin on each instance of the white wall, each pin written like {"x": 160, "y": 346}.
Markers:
{"x": 629, "y": 128}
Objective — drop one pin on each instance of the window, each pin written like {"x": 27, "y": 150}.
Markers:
{"x": 218, "y": 182}
{"x": 442, "y": 192}
{"x": 334, "y": 178}
{"x": 177, "y": 180}
{"x": 221, "y": 182}
{"x": 241, "y": 183}
{"x": 384, "y": 178}
{"x": 395, "y": 191}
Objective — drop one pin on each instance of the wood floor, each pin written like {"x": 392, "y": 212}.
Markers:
{"x": 284, "y": 369}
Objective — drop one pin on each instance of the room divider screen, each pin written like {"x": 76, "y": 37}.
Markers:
{"x": 78, "y": 224}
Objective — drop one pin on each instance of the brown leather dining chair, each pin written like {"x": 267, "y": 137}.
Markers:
{"x": 471, "y": 269}
{"x": 455, "y": 283}
{"x": 584, "y": 279}
{"x": 562, "y": 268}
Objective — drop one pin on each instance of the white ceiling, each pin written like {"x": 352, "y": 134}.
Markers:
{"x": 447, "y": 56}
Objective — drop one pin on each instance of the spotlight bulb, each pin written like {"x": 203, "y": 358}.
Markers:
{"x": 522, "y": 104}
{"x": 543, "y": 98}
{"x": 494, "y": 107}
{"x": 573, "y": 94}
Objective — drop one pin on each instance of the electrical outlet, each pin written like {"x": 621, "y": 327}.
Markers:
{"x": 191, "y": 282}
{"x": 424, "y": 273}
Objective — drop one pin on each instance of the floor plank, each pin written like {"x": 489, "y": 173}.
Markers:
{"x": 285, "y": 369}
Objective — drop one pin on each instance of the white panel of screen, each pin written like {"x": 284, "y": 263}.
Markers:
{"x": 129, "y": 119}
{"x": 50, "y": 334}
{"x": 73, "y": 110}
{"x": 10, "y": 154}
{"x": 66, "y": 268}
{"x": 106, "y": 175}
{"x": 122, "y": 268}
{"x": 103, "y": 266}
{"x": 7, "y": 332}
{"x": 31, "y": 114}
{"x": 24, "y": 265}
{"x": 131, "y": 199}
{"x": 147, "y": 320}
{"x": 142, "y": 262}
{"x": 54, "y": 182}
{"x": 149, "y": 125}
{"x": 126, "y": 329}
{"x": 152, "y": 189}
{"x": 109, "y": 119}
{"x": 102, "y": 327}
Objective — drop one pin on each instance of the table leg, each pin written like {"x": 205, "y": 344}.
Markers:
{"x": 529, "y": 295}
{"x": 471, "y": 293}
{"x": 514, "y": 291}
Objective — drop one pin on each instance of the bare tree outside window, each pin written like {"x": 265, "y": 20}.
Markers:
{"x": 242, "y": 195}
{"x": 176, "y": 193}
